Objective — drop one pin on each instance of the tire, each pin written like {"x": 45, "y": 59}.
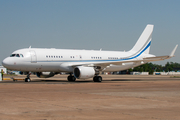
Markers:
{"x": 97, "y": 79}
{"x": 27, "y": 80}
{"x": 94, "y": 78}
{"x": 71, "y": 78}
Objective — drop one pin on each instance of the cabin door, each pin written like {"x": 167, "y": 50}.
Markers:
{"x": 33, "y": 57}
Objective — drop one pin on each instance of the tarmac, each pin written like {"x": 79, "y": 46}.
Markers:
{"x": 117, "y": 97}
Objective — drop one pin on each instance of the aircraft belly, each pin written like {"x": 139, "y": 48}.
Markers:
{"x": 65, "y": 67}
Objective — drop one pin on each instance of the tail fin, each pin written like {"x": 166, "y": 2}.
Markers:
{"x": 144, "y": 40}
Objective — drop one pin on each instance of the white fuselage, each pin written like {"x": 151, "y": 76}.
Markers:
{"x": 63, "y": 60}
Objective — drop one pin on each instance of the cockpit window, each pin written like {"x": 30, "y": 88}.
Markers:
{"x": 21, "y": 55}
{"x": 16, "y": 55}
{"x": 13, "y": 55}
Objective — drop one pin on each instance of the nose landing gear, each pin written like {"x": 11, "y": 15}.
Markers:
{"x": 27, "y": 79}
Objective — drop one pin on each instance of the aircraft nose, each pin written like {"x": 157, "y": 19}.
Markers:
{"x": 6, "y": 62}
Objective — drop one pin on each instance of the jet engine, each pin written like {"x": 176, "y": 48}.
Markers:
{"x": 21, "y": 73}
{"x": 82, "y": 72}
{"x": 45, "y": 74}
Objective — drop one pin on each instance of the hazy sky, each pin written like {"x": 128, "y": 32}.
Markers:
{"x": 88, "y": 24}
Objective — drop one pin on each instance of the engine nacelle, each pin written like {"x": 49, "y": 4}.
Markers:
{"x": 82, "y": 72}
{"x": 45, "y": 74}
{"x": 21, "y": 73}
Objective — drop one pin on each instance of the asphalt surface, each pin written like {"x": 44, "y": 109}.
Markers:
{"x": 117, "y": 97}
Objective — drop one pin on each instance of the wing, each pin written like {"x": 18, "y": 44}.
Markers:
{"x": 121, "y": 62}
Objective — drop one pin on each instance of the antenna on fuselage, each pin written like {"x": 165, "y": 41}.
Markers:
{"x": 29, "y": 47}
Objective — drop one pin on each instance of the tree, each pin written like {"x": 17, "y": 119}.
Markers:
{"x": 149, "y": 67}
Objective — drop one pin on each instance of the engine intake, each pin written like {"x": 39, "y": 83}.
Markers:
{"x": 82, "y": 72}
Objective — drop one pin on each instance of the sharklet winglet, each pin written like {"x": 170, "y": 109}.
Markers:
{"x": 174, "y": 50}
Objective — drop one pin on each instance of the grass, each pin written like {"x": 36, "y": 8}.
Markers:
{"x": 174, "y": 76}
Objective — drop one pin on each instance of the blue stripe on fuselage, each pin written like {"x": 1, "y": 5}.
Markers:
{"x": 105, "y": 60}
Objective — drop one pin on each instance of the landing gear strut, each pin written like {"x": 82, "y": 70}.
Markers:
{"x": 71, "y": 78}
{"x": 97, "y": 79}
{"x": 28, "y": 78}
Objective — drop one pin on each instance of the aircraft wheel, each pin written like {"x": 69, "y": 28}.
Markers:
{"x": 71, "y": 78}
{"x": 27, "y": 79}
{"x": 97, "y": 79}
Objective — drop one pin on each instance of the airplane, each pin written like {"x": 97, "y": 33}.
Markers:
{"x": 82, "y": 64}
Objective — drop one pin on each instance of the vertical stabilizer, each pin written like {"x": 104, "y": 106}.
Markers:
{"x": 144, "y": 40}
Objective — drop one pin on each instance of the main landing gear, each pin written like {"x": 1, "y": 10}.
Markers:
{"x": 27, "y": 79}
{"x": 97, "y": 79}
{"x": 71, "y": 78}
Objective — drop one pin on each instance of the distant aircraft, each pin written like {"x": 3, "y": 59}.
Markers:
{"x": 82, "y": 64}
